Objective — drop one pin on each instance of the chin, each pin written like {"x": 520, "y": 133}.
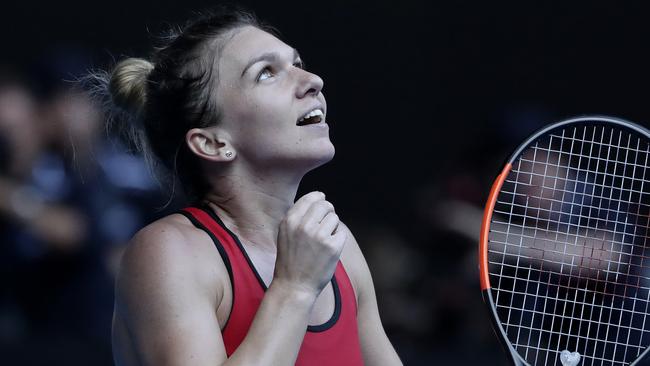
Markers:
{"x": 322, "y": 157}
{"x": 329, "y": 155}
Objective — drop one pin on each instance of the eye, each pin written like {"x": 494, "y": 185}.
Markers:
{"x": 266, "y": 73}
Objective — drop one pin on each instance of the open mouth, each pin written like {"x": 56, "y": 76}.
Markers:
{"x": 313, "y": 117}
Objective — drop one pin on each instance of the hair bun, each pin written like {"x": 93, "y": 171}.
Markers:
{"x": 128, "y": 84}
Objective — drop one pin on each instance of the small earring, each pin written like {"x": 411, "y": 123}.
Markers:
{"x": 228, "y": 154}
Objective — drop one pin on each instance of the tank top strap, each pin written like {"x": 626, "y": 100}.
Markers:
{"x": 223, "y": 237}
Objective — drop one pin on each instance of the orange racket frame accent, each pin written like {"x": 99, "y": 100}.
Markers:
{"x": 485, "y": 227}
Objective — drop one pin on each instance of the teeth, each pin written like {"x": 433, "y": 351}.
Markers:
{"x": 314, "y": 113}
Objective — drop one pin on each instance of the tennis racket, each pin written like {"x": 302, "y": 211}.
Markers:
{"x": 564, "y": 254}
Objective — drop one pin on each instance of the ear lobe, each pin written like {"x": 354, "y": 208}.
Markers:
{"x": 209, "y": 145}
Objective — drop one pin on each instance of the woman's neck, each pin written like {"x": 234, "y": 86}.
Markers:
{"x": 252, "y": 207}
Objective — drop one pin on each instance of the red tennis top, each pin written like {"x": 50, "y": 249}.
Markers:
{"x": 336, "y": 342}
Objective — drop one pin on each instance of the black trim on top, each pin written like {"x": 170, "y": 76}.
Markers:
{"x": 335, "y": 287}
{"x": 216, "y": 218}
{"x": 222, "y": 253}
{"x": 337, "y": 311}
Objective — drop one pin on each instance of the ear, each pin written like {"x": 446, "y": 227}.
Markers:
{"x": 210, "y": 144}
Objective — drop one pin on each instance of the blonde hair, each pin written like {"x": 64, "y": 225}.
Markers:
{"x": 128, "y": 84}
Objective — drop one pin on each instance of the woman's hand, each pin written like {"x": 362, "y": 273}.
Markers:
{"x": 309, "y": 245}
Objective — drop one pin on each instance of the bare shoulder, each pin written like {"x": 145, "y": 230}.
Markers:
{"x": 173, "y": 228}
{"x": 354, "y": 262}
{"x": 165, "y": 251}
{"x": 351, "y": 251}
{"x": 169, "y": 284}
{"x": 171, "y": 240}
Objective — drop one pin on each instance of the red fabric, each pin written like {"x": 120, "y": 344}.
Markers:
{"x": 336, "y": 345}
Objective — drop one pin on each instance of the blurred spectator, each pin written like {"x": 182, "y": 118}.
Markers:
{"x": 69, "y": 201}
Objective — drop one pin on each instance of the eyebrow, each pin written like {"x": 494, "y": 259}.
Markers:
{"x": 268, "y": 56}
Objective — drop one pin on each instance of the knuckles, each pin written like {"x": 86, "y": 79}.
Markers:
{"x": 291, "y": 221}
{"x": 328, "y": 206}
{"x": 309, "y": 226}
{"x": 304, "y": 228}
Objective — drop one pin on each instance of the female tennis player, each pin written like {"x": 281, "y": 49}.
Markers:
{"x": 245, "y": 276}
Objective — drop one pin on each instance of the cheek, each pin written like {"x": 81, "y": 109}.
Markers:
{"x": 267, "y": 110}
{"x": 256, "y": 114}
{"x": 256, "y": 126}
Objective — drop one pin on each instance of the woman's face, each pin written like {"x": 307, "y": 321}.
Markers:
{"x": 263, "y": 94}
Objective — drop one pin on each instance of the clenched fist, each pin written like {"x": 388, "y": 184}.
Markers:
{"x": 309, "y": 244}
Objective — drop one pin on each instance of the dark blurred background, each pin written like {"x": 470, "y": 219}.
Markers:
{"x": 426, "y": 100}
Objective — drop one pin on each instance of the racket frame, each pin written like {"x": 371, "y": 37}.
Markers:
{"x": 486, "y": 288}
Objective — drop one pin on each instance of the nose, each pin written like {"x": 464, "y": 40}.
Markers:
{"x": 309, "y": 84}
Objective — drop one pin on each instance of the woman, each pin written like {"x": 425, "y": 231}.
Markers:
{"x": 227, "y": 107}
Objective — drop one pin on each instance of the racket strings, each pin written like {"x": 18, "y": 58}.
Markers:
{"x": 567, "y": 247}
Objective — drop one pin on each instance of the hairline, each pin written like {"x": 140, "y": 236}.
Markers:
{"x": 214, "y": 50}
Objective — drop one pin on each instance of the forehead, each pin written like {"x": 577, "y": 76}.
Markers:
{"x": 249, "y": 42}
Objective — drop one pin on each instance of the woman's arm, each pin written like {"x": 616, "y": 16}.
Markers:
{"x": 167, "y": 295}
{"x": 164, "y": 303}
{"x": 375, "y": 345}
